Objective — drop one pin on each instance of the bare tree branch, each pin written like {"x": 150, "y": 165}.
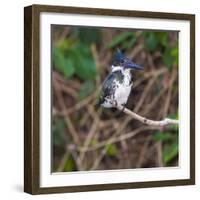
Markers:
{"x": 146, "y": 121}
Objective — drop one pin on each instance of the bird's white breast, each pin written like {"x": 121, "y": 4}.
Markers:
{"x": 123, "y": 91}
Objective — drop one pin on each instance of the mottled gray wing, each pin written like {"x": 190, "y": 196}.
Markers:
{"x": 108, "y": 86}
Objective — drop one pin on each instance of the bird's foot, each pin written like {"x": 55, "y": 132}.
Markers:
{"x": 114, "y": 103}
{"x": 124, "y": 106}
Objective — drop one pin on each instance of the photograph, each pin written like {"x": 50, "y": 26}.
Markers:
{"x": 109, "y": 99}
{"x": 114, "y": 98}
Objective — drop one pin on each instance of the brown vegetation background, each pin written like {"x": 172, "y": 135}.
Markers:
{"x": 86, "y": 138}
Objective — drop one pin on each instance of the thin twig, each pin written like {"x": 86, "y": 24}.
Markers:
{"x": 89, "y": 138}
{"x": 79, "y": 105}
{"x": 67, "y": 119}
{"x": 97, "y": 62}
{"x": 143, "y": 152}
{"x": 72, "y": 130}
{"x": 147, "y": 75}
{"x": 144, "y": 94}
{"x": 62, "y": 162}
{"x": 98, "y": 159}
{"x": 159, "y": 144}
{"x": 115, "y": 139}
{"x": 158, "y": 147}
{"x": 73, "y": 83}
{"x": 169, "y": 94}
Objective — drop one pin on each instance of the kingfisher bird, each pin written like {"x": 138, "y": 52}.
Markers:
{"x": 116, "y": 87}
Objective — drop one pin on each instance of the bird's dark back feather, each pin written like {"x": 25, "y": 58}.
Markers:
{"x": 108, "y": 86}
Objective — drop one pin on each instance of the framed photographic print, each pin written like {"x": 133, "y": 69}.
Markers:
{"x": 109, "y": 99}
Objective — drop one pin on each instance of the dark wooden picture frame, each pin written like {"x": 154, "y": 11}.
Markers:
{"x": 32, "y": 92}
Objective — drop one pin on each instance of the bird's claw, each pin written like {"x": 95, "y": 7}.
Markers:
{"x": 114, "y": 103}
{"x": 123, "y": 108}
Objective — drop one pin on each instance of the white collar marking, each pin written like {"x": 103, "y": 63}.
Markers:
{"x": 117, "y": 68}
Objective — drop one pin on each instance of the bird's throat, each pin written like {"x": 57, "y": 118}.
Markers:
{"x": 117, "y": 68}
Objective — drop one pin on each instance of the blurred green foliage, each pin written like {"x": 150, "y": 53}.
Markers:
{"x": 111, "y": 150}
{"x": 154, "y": 39}
{"x": 86, "y": 89}
{"x": 69, "y": 164}
{"x": 169, "y": 138}
{"x": 87, "y": 35}
{"x": 152, "y": 42}
{"x": 72, "y": 55}
{"x": 58, "y": 131}
{"x": 160, "y": 40}
{"x": 126, "y": 40}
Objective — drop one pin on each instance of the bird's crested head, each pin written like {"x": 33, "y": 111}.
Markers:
{"x": 121, "y": 61}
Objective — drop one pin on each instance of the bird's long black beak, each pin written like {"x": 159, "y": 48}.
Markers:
{"x": 131, "y": 65}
